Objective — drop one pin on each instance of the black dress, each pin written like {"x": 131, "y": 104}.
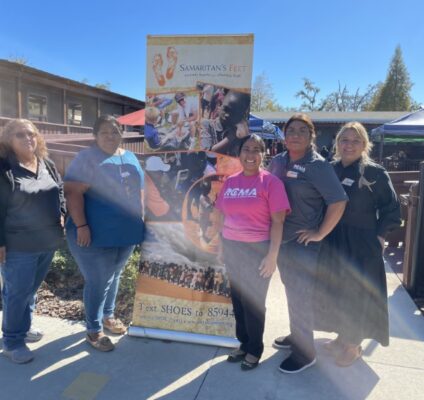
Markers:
{"x": 351, "y": 291}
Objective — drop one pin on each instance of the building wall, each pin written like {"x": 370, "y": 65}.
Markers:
{"x": 89, "y": 107}
{"x": 8, "y": 100}
{"x": 51, "y": 92}
{"x": 54, "y": 100}
{"x": 325, "y": 135}
{"x": 111, "y": 108}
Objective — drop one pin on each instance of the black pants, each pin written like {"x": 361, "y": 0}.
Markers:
{"x": 248, "y": 291}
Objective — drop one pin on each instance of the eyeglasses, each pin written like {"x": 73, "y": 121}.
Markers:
{"x": 24, "y": 135}
{"x": 114, "y": 133}
{"x": 124, "y": 180}
{"x": 125, "y": 183}
{"x": 301, "y": 133}
{"x": 346, "y": 142}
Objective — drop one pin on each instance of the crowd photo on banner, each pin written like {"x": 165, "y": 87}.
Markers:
{"x": 213, "y": 217}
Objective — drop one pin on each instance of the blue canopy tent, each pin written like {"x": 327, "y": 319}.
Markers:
{"x": 408, "y": 128}
{"x": 409, "y": 125}
{"x": 264, "y": 129}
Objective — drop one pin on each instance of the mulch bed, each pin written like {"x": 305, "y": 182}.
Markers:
{"x": 61, "y": 297}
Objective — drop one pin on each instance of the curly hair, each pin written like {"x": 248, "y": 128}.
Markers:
{"x": 11, "y": 128}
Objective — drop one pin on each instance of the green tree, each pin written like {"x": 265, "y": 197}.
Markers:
{"x": 263, "y": 98}
{"x": 19, "y": 59}
{"x": 343, "y": 100}
{"x": 394, "y": 93}
{"x": 105, "y": 85}
{"x": 309, "y": 96}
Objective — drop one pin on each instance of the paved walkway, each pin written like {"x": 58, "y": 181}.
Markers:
{"x": 66, "y": 368}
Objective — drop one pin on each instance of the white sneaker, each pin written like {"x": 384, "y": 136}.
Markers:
{"x": 22, "y": 355}
{"x": 34, "y": 335}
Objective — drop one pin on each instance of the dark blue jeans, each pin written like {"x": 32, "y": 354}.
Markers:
{"x": 248, "y": 291}
{"x": 22, "y": 274}
{"x": 101, "y": 268}
{"x": 298, "y": 269}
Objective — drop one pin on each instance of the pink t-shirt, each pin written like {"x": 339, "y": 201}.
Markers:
{"x": 247, "y": 203}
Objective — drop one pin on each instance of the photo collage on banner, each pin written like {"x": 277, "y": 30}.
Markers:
{"x": 197, "y": 107}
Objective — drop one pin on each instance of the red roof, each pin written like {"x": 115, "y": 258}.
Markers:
{"x": 135, "y": 118}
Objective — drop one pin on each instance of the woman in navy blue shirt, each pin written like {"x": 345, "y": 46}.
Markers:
{"x": 351, "y": 292}
{"x": 318, "y": 201}
{"x": 104, "y": 190}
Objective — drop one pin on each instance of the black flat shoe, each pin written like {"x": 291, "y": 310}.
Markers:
{"x": 249, "y": 365}
{"x": 236, "y": 356}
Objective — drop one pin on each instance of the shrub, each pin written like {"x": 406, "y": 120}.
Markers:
{"x": 127, "y": 286}
{"x": 63, "y": 265}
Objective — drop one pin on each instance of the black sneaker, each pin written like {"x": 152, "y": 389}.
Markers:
{"x": 293, "y": 365}
{"x": 283, "y": 342}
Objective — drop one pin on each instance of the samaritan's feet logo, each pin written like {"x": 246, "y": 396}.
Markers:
{"x": 172, "y": 57}
{"x": 157, "y": 65}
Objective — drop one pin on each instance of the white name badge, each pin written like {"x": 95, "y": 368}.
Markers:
{"x": 348, "y": 182}
{"x": 125, "y": 174}
{"x": 299, "y": 167}
{"x": 292, "y": 174}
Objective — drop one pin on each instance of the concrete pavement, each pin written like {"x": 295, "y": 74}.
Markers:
{"x": 66, "y": 368}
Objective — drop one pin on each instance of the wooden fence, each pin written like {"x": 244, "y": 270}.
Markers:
{"x": 51, "y": 130}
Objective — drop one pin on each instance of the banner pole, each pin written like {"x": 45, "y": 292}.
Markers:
{"x": 178, "y": 336}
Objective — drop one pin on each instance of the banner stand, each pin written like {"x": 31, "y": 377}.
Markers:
{"x": 177, "y": 336}
{"x": 183, "y": 292}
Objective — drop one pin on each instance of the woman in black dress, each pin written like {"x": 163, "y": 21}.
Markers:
{"x": 351, "y": 295}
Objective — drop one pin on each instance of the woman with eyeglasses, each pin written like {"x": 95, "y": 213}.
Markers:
{"x": 104, "y": 192}
{"x": 351, "y": 295}
{"x": 252, "y": 205}
{"x": 31, "y": 207}
{"x": 318, "y": 201}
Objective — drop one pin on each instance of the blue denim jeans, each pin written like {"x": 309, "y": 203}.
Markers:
{"x": 101, "y": 268}
{"x": 22, "y": 274}
{"x": 298, "y": 265}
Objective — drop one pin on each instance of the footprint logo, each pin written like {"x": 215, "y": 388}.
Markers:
{"x": 172, "y": 57}
{"x": 157, "y": 69}
{"x": 157, "y": 65}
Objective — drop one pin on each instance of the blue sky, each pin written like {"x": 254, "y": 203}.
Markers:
{"x": 327, "y": 41}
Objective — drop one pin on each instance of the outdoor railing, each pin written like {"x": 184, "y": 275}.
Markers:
{"x": 405, "y": 164}
{"x": 48, "y": 128}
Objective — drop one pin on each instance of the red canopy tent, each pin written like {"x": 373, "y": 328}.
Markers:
{"x": 135, "y": 118}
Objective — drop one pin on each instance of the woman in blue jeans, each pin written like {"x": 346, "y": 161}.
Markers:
{"x": 31, "y": 205}
{"x": 104, "y": 191}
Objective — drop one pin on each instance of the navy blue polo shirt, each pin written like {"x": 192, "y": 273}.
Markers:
{"x": 311, "y": 185}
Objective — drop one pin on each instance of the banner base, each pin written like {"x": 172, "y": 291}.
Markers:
{"x": 178, "y": 336}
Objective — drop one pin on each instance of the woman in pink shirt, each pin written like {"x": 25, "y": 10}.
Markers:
{"x": 253, "y": 204}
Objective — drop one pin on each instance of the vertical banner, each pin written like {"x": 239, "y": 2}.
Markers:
{"x": 197, "y": 107}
